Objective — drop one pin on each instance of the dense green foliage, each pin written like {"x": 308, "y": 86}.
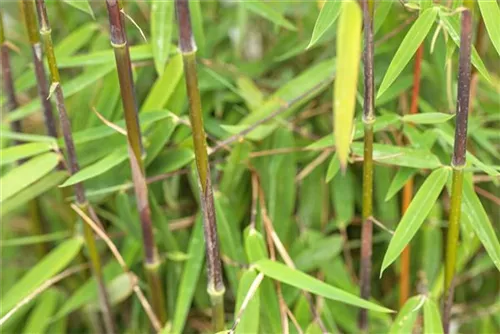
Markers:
{"x": 288, "y": 189}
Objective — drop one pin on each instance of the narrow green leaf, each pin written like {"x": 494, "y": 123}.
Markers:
{"x": 400, "y": 156}
{"x": 82, "y": 5}
{"x": 39, "y": 319}
{"x": 162, "y": 16}
{"x": 189, "y": 278}
{"x": 263, "y": 9}
{"x": 381, "y": 12}
{"x": 22, "y": 176}
{"x": 472, "y": 207}
{"x": 70, "y": 88}
{"x": 118, "y": 156}
{"x": 326, "y": 18}
{"x": 408, "y": 47}
{"x": 76, "y": 40}
{"x": 15, "y": 153}
{"x": 34, "y": 239}
{"x": 333, "y": 168}
{"x": 164, "y": 86}
{"x": 47, "y": 267}
{"x": 407, "y": 316}
{"x": 249, "y": 322}
{"x": 282, "y": 273}
{"x": 432, "y": 319}
{"x": 428, "y": 118}
{"x": 34, "y": 190}
{"x": 452, "y": 26}
{"x": 491, "y": 14}
{"x": 415, "y": 215}
{"x": 399, "y": 180}
{"x": 345, "y": 87}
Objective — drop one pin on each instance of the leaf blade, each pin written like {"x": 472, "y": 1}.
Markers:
{"x": 415, "y": 215}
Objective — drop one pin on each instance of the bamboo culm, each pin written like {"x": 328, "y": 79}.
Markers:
{"x": 368, "y": 120}
{"x": 124, "y": 68}
{"x": 46, "y": 34}
{"x": 458, "y": 163}
{"x": 28, "y": 10}
{"x": 216, "y": 288}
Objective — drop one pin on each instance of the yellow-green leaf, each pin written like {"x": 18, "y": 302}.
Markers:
{"x": 432, "y": 319}
{"x": 82, "y": 5}
{"x": 162, "y": 16}
{"x": 15, "y": 153}
{"x": 22, "y": 176}
{"x": 326, "y": 18}
{"x": 345, "y": 86}
{"x": 298, "y": 279}
{"x": 415, "y": 215}
{"x": 491, "y": 17}
{"x": 408, "y": 47}
{"x": 47, "y": 267}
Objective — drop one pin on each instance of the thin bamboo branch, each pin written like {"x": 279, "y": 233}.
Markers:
{"x": 458, "y": 163}
{"x": 368, "y": 120}
{"x": 46, "y": 34}
{"x": 28, "y": 10}
{"x": 187, "y": 45}
{"x": 152, "y": 261}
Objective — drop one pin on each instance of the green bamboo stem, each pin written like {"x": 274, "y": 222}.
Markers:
{"x": 368, "y": 120}
{"x": 45, "y": 32}
{"x": 458, "y": 163}
{"x": 28, "y": 10}
{"x": 152, "y": 264}
{"x": 216, "y": 288}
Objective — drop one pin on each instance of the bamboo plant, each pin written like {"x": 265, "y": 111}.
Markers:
{"x": 152, "y": 261}
{"x": 187, "y": 47}
{"x": 368, "y": 120}
{"x": 458, "y": 163}
{"x": 73, "y": 166}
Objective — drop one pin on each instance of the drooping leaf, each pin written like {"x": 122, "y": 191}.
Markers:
{"x": 118, "y": 156}
{"x": 326, "y": 18}
{"x": 345, "y": 87}
{"x": 407, "y": 316}
{"x": 249, "y": 322}
{"x": 432, "y": 318}
{"x": 408, "y": 47}
{"x": 189, "y": 278}
{"x": 22, "y": 176}
{"x": 415, "y": 215}
{"x": 265, "y": 10}
{"x": 119, "y": 289}
{"x": 15, "y": 153}
{"x": 428, "y": 118}
{"x": 305, "y": 282}
{"x": 333, "y": 168}
{"x": 490, "y": 14}
{"x": 47, "y": 267}
{"x": 82, "y": 5}
{"x": 162, "y": 16}
{"x": 481, "y": 225}
{"x": 400, "y": 156}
